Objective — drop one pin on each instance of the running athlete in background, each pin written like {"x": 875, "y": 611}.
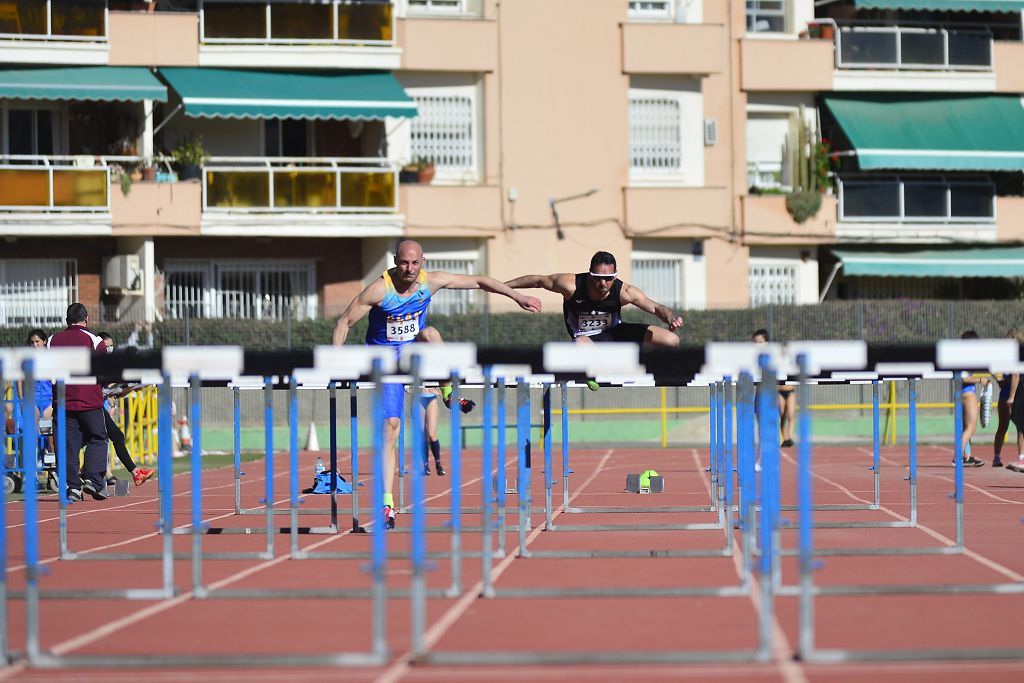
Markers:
{"x": 1008, "y": 383}
{"x": 397, "y": 304}
{"x": 969, "y": 391}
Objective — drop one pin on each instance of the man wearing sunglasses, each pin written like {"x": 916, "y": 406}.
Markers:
{"x": 594, "y": 299}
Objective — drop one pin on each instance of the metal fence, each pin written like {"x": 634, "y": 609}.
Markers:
{"x": 882, "y": 322}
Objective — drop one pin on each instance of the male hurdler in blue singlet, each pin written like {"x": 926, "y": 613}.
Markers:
{"x": 397, "y": 305}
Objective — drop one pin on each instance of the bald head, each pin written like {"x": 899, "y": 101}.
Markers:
{"x": 408, "y": 261}
{"x": 408, "y": 248}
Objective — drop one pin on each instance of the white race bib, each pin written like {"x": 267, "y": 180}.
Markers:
{"x": 594, "y": 323}
{"x": 403, "y": 329}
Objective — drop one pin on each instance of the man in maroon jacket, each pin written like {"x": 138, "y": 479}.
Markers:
{"x": 84, "y": 421}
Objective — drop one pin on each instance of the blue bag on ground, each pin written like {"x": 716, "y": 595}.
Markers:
{"x": 322, "y": 484}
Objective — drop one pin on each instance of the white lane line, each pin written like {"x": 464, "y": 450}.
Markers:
{"x": 974, "y": 555}
{"x": 790, "y": 670}
{"x": 403, "y": 665}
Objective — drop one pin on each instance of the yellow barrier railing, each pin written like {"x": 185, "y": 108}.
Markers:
{"x": 137, "y": 418}
{"x": 889, "y": 407}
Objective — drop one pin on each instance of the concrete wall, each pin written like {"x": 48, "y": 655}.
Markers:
{"x": 154, "y": 39}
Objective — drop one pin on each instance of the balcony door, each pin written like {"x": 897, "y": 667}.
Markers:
{"x": 31, "y": 130}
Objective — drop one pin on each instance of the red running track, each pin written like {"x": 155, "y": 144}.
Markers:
{"x": 187, "y": 625}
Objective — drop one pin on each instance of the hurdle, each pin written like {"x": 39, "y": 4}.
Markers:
{"x": 761, "y": 653}
{"x": 198, "y": 363}
{"x": 989, "y": 355}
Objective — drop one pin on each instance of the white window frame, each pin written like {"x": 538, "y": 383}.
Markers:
{"x": 451, "y": 173}
{"x": 677, "y": 299}
{"x": 686, "y": 93}
{"x": 656, "y": 10}
{"x": 436, "y": 7}
{"x": 785, "y": 12}
{"x": 54, "y": 307}
{"x": 804, "y": 264}
{"x": 760, "y": 297}
{"x": 211, "y": 291}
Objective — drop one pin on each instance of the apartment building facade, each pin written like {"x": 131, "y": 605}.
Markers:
{"x": 508, "y": 136}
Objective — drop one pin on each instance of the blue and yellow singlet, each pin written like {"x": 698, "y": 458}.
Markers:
{"x": 397, "y": 320}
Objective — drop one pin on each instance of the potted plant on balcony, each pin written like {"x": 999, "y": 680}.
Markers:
{"x": 813, "y": 164}
{"x": 425, "y": 170}
{"x": 190, "y": 155}
{"x": 148, "y": 170}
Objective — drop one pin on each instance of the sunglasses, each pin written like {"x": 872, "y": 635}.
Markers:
{"x": 607, "y": 277}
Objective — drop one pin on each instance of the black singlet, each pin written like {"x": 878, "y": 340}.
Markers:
{"x": 585, "y": 317}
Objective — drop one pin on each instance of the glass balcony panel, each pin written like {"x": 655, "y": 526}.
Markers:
{"x": 77, "y": 18}
{"x": 924, "y": 200}
{"x": 867, "y": 199}
{"x": 304, "y": 189}
{"x": 970, "y": 48}
{"x": 238, "y": 189}
{"x": 301, "y": 22}
{"x": 971, "y": 200}
{"x": 80, "y": 188}
{"x": 925, "y": 49}
{"x": 365, "y": 20}
{"x": 234, "y": 20}
{"x": 23, "y": 187}
{"x": 867, "y": 47}
{"x": 26, "y": 17}
{"x": 371, "y": 189}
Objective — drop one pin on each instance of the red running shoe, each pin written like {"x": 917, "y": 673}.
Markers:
{"x": 389, "y": 517}
{"x": 142, "y": 474}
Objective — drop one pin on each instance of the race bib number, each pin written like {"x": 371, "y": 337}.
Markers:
{"x": 402, "y": 330}
{"x": 595, "y": 323}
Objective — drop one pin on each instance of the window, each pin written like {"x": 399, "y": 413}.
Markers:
{"x": 768, "y": 150}
{"x": 37, "y": 291}
{"x": 445, "y": 130}
{"x": 655, "y": 134}
{"x": 650, "y": 9}
{"x": 437, "y": 6}
{"x": 666, "y": 120}
{"x": 773, "y": 283}
{"x": 454, "y": 301}
{"x": 30, "y": 130}
{"x": 660, "y": 279}
{"x": 916, "y": 199}
{"x": 766, "y": 16}
{"x": 256, "y": 290}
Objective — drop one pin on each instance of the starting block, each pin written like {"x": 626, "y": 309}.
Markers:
{"x": 645, "y": 482}
{"x": 120, "y": 487}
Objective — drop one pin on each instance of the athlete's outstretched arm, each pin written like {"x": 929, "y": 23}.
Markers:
{"x": 357, "y": 310}
{"x": 440, "y": 280}
{"x": 633, "y": 295}
{"x": 562, "y": 283}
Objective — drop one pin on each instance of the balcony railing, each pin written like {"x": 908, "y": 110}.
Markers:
{"x": 335, "y": 22}
{"x": 63, "y": 20}
{"x": 300, "y": 184}
{"x": 916, "y": 200}
{"x": 55, "y": 183}
{"x": 908, "y": 48}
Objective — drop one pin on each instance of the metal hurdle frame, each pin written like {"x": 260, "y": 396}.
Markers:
{"x": 762, "y": 652}
{"x": 991, "y": 355}
{"x": 198, "y": 362}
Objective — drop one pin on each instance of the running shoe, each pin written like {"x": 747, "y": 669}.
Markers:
{"x": 986, "y": 405}
{"x": 142, "y": 474}
{"x": 426, "y": 470}
{"x": 997, "y": 462}
{"x": 74, "y": 495}
{"x": 440, "y": 469}
{"x": 593, "y": 385}
{"x": 95, "y": 490}
{"x": 788, "y": 443}
{"x": 389, "y": 517}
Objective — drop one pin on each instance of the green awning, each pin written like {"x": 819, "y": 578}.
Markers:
{"x": 932, "y": 132}
{"x": 945, "y": 5}
{"x": 964, "y": 262}
{"x": 121, "y": 83}
{"x": 238, "y": 94}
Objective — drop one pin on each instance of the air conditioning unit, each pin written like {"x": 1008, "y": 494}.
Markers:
{"x": 123, "y": 273}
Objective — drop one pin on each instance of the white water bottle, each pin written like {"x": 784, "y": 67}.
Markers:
{"x": 319, "y": 466}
